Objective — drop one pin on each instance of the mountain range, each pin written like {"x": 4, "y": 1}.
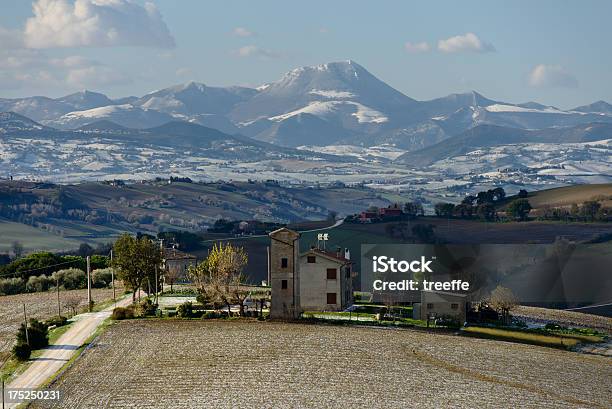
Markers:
{"x": 338, "y": 103}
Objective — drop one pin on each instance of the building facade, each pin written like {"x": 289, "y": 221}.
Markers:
{"x": 316, "y": 280}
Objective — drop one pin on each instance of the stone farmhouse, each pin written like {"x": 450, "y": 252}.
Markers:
{"x": 315, "y": 280}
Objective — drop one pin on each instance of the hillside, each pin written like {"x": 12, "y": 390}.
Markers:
{"x": 566, "y": 196}
{"x": 94, "y": 212}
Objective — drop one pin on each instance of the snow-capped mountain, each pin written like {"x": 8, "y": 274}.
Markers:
{"x": 338, "y": 103}
{"x": 125, "y": 115}
{"x": 84, "y": 100}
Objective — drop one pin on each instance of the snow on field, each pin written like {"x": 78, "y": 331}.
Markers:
{"x": 382, "y": 151}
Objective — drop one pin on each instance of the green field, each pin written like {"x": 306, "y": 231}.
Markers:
{"x": 33, "y": 238}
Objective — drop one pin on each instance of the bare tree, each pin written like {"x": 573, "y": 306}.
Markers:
{"x": 171, "y": 275}
{"x": 503, "y": 300}
{"x": 72, "y": 302}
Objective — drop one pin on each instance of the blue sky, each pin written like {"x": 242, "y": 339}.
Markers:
{"x": 553, "y": 52}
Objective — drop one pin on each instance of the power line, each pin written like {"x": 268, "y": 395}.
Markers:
{"x": 38, "y": 269}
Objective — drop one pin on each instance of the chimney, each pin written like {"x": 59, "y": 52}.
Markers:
{"x": 347, "y": 254}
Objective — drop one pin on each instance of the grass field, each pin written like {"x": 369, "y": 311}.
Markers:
{"x": 229, "y": 364}
{"x": 565, "y": 196}
{"x": 40, "y": 306}
{"x": 32, "y": 238}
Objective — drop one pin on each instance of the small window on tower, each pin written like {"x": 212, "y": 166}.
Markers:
{"x": 331, "y": 298}
{"x": 331, "y": 273}
{"x": 284, "y": 284}
{"x": 311, "y": 259}
{"x": 284, "y": 262}
{"x": 454, "y": 306}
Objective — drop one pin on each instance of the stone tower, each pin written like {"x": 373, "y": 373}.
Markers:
{"x": 285, "y": 274}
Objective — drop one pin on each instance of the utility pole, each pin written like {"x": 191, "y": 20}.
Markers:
{"x": 89, "y": 283}
{"x": 59, "y": 307}
{"x": 156, "y": 281}
{"x": 25, "y": 322}
{"x": 113, "y": 277}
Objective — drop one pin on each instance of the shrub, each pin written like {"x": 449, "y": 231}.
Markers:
{"x": 146, "y": 308}
{"x": 22, "y": 351}
{"x": 185, "y": 310}
{"x": 122, "y": 313}
{"x": 38, "y": 334}
{"x": 39, "y": 283}
{"x": 101, "y": 278}
{"x": 57, "y": 321}
{"x": 209, "y": 315}
{"x": 11, "y": 286}
{"x": 71, "y": 278}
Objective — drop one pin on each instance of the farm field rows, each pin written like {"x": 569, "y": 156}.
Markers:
{"x": 40, "y": 306}
{"x": 195, "y": 364}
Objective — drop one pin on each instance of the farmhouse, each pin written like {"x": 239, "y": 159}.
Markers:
{"x": 177, "y": 262}
{"x": 316, "y": 280}
{"x": 438, "y": 304}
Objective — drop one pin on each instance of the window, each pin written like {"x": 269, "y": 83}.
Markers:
{"x": 430, "y": 306}
{"x": 331, "y": 298}
{"x": 454, "y": 306}
{"x": 284, "y": 262}
{"x": 284, "y": 284}
{"x": 311, "y": 259}
{"x": 331, "y": 273}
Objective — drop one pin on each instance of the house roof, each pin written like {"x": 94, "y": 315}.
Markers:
{"x": 328, "y": 255}
{"x": 284, "y": 230}
{"x": 174, "y": 254}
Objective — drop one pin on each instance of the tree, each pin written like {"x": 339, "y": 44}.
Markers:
{"x": 413, "y": 209}
{"x": 171, "y": 275}
{"x": 17, "y": 249}
{"x": 136, "y": 260}
{"x": 589, "y": 209}
{"x": 38, "y": 334}
{"x": 219, "y": 278}
{"x": 503, "y": 300}
{"x": 498, "y": 193}
{"x": 72, "y": 302}
{"x": 444, "y": 209}
{"x": 486, "y": 211}
{"x": 519, "y": 209}
{"x": 522, "y": 194}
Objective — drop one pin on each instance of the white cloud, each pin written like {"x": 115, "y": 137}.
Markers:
{"x": 242, "y": 32}
{"x": 32, "y": 68}
{"x": 468, "y": 42}
{"x": 255, "y": 51}
{"x": 95, "y": 23}
{"x": 551, "y": 76}
{"x": 416, "y": 47}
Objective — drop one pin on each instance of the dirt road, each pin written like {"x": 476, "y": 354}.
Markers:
{"x": 55, "y": 356}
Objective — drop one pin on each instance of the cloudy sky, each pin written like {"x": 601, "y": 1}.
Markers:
{"x": 552, "y": 52}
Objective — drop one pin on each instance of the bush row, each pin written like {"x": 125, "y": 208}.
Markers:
{"x": 69, "y": 279}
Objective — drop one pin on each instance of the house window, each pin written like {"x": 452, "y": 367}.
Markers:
{"x": 430, "y": 306}
{"x": 284, "y": 284}
{"x": 331, "y": 298}
{"x": 454, "y": 306}
{"x": 284, "y": 262}
{"x": 311, "y": 259}
{"x": 331, "y": 273}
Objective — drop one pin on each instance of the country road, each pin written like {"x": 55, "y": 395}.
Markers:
{"x": 54, "y": 357}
